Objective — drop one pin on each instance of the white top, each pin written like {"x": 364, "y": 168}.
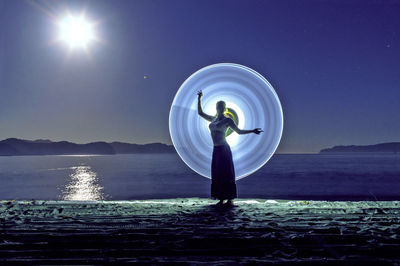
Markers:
{"x": 218, "y": 129}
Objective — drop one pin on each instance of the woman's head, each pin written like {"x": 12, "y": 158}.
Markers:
{"x": 220, "y": 107}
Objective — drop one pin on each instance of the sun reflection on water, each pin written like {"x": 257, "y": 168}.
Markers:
{"x": 83, "y": 185}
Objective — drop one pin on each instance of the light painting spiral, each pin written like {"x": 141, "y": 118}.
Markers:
{"x": 248, "y": 95}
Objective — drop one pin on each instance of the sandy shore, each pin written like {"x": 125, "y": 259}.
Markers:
{"x": 191, "y": 231}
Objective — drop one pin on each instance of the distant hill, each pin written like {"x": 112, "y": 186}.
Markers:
{"x": 13, "y": 147}
{"x": 127, "y": 148}
{"x": 392, "y": 147}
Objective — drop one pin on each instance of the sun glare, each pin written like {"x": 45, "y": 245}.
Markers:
{"x": 76, "y": 31}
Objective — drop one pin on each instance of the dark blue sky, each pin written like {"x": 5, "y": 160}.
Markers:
{"x": 334, "y": 64}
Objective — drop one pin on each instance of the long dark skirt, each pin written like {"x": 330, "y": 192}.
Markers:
{"x": 223, "y": 184}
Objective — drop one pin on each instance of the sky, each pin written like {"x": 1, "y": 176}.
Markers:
{"x": 334, "y": 65}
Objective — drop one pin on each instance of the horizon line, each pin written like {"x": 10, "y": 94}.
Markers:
{"x": 45, "y": 139}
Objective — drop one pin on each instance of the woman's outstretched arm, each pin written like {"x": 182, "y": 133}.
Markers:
{"x": 232, "y": 124}
{"x": 200, "y": 110}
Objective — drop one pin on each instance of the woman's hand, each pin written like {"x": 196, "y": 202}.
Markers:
{"x": 200, "y": 93}
{"x": 257, "y": 130}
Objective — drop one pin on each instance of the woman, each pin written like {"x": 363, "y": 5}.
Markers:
{"x": 223, "y": 184}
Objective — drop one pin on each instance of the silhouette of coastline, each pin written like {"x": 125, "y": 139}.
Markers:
{"x": 391, "y": 147}
{"x": 15, "y": 147}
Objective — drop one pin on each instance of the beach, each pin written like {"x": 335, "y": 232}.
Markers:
{"x": 193, "y": 231}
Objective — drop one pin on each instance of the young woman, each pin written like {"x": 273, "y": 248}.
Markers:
{"x": 223, "y": 184}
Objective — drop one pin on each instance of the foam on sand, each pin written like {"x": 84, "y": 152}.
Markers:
{"x": 192, "y": 230}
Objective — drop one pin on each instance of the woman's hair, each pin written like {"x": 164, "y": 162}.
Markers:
{"x": 221, "y": 102}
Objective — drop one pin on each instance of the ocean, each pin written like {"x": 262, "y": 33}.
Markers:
{"x": 156, "y": 176}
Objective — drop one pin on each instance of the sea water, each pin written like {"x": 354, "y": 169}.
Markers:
{"x": 150, "y": 176}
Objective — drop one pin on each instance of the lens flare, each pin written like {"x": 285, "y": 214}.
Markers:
{"x": 244, "y": 91}
{"x": 76, "y": 31}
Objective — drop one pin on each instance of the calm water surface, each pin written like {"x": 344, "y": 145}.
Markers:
{"x": 141, "y": 176}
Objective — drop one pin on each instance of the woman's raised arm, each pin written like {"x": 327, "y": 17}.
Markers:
{"x": 200, "y": 110}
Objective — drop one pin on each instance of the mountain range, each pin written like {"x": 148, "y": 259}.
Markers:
{"x": 391, "y": 147}
{"x": 14, "y": 146}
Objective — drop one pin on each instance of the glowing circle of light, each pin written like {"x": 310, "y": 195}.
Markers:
{"x": 244, "y": 90}
{"x": 76, "y": 31}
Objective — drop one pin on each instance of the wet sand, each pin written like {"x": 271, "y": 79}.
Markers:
{"x": 192, "y": 231}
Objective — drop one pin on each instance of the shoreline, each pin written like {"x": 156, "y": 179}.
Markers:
{"x": 285, "y": 198}
{"x": 192, "y": 230}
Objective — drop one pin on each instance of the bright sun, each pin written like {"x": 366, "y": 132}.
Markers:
{"x": 76, "y": 31}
